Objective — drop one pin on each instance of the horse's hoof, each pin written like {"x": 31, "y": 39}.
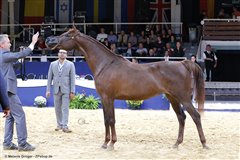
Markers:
{"x": 110, "y": 148}
{"x": 205, "y": 147}
{"x": 104, "y": 146}
{"x": 175, "y": 146}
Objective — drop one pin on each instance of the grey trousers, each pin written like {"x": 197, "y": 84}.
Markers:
{"x": 61, "y": 105}
{"x": 17, "y": 115}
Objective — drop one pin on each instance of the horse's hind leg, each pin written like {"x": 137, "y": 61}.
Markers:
{"x": 181, "y": 119}
{"x": 109, "y": 120}
{"x": 197, "y": 120}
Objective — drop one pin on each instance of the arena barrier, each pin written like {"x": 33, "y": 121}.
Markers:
{"x": 30, "y": 89}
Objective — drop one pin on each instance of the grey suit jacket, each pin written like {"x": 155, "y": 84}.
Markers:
{"x": 7, "y": 60}
{"x": 64, "y": 80}
{"x": 3, "y": 93}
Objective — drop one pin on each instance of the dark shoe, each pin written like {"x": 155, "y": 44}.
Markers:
{"x": 26, "y": 147}
{"x": 12, "y": 146}
{"x": 66, "y": 130}
{"x": 58, "y": 129}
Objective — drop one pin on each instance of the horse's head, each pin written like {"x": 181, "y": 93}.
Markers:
{"x": 64, "y": 41}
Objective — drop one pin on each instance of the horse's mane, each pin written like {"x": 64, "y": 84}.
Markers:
{"x": 102, "y": 46}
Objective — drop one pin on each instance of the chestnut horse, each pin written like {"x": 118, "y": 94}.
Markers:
{"x": 117, "y": 78}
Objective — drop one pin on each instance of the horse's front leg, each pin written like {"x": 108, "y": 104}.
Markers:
{"x": 109, "y": 120}
{"x": 107, "y": 129}
{"x": 112, "y": 125}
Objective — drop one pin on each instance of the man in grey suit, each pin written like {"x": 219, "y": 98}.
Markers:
{"x": 4, "y": 102}
{"x": 62, "y": 73}
{"x": 17, "y": 115}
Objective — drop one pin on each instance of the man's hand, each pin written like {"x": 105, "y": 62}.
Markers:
{"x": 47, "y": 94}
{"x": 72, "y": 95}
{"x": 215, "y": 65}
{"x": 35, "y": 38}
{"x": 6, "y": 112}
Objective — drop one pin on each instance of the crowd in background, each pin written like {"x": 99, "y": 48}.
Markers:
{"x": 152, "y": 43}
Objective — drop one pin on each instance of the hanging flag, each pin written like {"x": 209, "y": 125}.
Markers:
{"x": 63, "y": 11}
{"x": 1, "y": 12}
{"x": 161, "y": 10}
{"x": 99, "y": 11}
{"x": 34, "y": 11}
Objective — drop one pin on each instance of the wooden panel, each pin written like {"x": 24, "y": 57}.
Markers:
{"x": 207, "y": 23}
{"x": 221, "y": 38}
{"x": 222, "y": 28}
{"x": 222, "y": 33}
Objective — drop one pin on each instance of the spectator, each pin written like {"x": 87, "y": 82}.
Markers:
{"x": 166, "y": 56}
{"x": 152, "y": 37}
{"x": 178, "y": 50}
{"x": 102, "y": 35}
{"x": 41, "y": 43}
{"x": 141, "y": 51}
{"x": 164, "y": 36}
{"x": 172, "y": 41}
{"x": 113, "y": 48}
{"x": 157, "y": 30}
{"x": 61, "y": 74}
{"x": 210, "y": 60}
{"x": 236, "y": 12}
{"x": 160, "y": 45}
{"x": 129, "y": 52}
{"x": 106, "y": 43}
{"x": 142, "y": 38}
{"x": 169, "y": 34}
{"x": 223, "y": 15}
{"x": 169, "y": 50}
{"x": 132, "y": 39}
{"x": 122, "y": 39}
{"x": 92, "y": 32}
{"x": 112, "y": 38}
{"x": 194, "y": 59}
{"x": 135, "y": 60}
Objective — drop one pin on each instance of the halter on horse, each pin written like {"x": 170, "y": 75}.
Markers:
{"x": 117, "y": 78}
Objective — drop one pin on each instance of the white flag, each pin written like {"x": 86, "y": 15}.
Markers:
{"x": 64, "y": 11}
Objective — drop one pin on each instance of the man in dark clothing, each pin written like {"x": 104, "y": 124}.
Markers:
{"x": 210, "y": 60}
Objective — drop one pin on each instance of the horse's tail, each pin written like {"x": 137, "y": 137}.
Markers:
{"x": 198, "y": 85}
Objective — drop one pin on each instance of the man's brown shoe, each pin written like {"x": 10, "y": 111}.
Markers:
{"x": 58, "y": 129}
{"x": 66, "y": 130}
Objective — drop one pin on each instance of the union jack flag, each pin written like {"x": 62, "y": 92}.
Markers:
{"x": 160, "y": 10}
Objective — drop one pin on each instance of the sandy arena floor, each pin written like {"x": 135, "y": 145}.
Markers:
{"x": 145, "y": 134}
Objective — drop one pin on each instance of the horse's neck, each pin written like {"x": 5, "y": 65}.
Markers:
{"x": 96, "y": 54}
